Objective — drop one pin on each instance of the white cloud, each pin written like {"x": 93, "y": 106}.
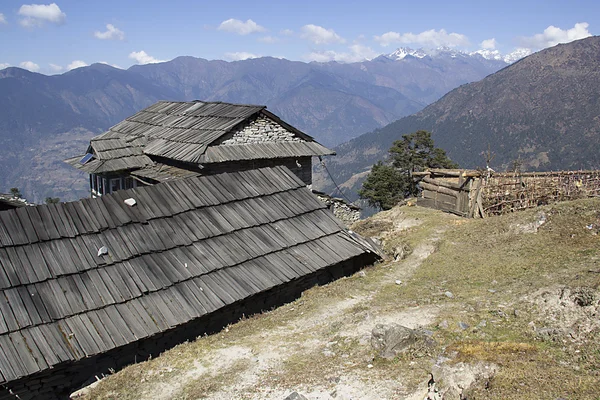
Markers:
{"x": 4, "y": 65}
{"x": 357, "y": 53}
{"x": 76, "y": 64}
{"x": 427, "y": 38}
{"x": 287, "y": 32}
{"x": 240, "y": 27}
{"x": 56, "y": 68}
{"x": 112, "y": 33}
{"x": 269, "y": 39}
{"x": 553, "y": 36}
{"x": 141, "y": 57}
{"x": 37, "y": 14}
{"x": 319, "y": 35}
{"x": 489, "y": 44}
{"x": 30, "y": 65}
{"x": 240, "y": 55}
{"x": 2, "y": 19}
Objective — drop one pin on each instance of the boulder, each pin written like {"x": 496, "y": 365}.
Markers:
{"x": 393, "y": 339}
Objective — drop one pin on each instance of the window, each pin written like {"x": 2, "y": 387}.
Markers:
{"x": 101, "y": 182}
{"x": 115, "y": 184}
{"x": 86, "y": 158}
{"x": 129, "y": 183}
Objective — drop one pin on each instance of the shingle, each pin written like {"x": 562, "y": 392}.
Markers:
{"x": 188, "y": 248}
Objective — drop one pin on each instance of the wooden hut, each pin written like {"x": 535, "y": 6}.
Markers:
{"x": 99, "y": 283}
{"x": 172, "y": 140}
{"x": 473, "y": 193}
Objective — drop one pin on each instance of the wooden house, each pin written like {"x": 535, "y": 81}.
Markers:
{"x": 102, "y": 282}
{"x": 172, "y": 140}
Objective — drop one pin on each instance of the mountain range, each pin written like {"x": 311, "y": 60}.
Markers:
{"x": 44, "y": 119}
{"x": 543, "y": 111}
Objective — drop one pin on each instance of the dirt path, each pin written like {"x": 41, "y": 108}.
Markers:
{"x": 265, "y": 352}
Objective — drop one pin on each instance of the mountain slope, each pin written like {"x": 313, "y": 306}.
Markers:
{"x": 544, "y": 110}
{"x": 48, "y": 118}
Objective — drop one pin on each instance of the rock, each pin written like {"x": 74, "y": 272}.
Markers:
{"x": 482, "y": 324}
{"x": 295, "y": 396}
{"x": 463, "y": 325}
{"x": 583, "y": 296}
{"x": 362, "y": 274}
{"x": 443, "y": 324}
{"x": 390, "y": 340}
{"x": 398, "y": 282}
{"x": 449, "y": 295}
{"x": 401, "y": 252}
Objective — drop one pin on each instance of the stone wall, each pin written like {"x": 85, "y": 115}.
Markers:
{"x": 347, "y": 213}
{"x": 60, "y": 381}
{"x": 260, "y": 130}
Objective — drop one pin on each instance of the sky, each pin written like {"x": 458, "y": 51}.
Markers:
{"x": 55, "y": 37}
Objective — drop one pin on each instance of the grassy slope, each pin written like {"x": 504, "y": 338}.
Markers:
{"x": 319, "y": 344}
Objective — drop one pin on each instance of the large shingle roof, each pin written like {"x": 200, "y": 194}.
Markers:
{"x": 183, "y": 131}
{"x": 187, "y": 248}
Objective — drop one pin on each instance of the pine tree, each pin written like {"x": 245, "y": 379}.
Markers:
{"x": 388, "y": 184}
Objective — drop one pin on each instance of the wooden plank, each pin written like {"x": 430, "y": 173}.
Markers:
{"x": 157, "y": 318}
{"x": 185, "y": 289}
{"x": 121, "y": 324}
{"x": 18, "y": 308}
{"x": 10, "y": 321}
{"x": 57, "y": 341}
{"x": 23, "y": 273}
{"x": 133, "y": 321}
{"x": 27, "y": 298}
{"x": 48, "y": 221}
{"x": 71, "y": 212}
{"x": 100, "y": 331}
{"x": 27, "y": 225}
{"x": 26, "y": 354}
{"x": 104, "y": 318}
{"x": 9, "y": 268}
{"x": 454, "y": 172}
{"x": 142, "y": 314}
{"x": 119, "y": 215}
{"x": 12, "y": 224}
{"x": 38, "y": 343}
{"x": 80, "y": 335}
{"x": 37, "y": 262}
{"x": 13, "y": 365}
{"x": 438, "y": 189}
{"x": 72, "y": 294}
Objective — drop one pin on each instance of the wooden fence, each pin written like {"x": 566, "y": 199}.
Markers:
{"x": 473, "y": 194}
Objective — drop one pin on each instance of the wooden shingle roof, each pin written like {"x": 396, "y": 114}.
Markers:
{"x": 183, "y": 131}
{"x": 187, "y": 248}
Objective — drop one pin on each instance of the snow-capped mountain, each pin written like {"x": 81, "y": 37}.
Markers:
{"x": 402, "y": 52}
{"x": 444, "y": 51}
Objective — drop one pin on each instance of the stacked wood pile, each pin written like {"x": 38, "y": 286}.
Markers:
{"x": 472, "y": 193}
{"x": 507, "y": 192}
{"x": 455, "y": 191}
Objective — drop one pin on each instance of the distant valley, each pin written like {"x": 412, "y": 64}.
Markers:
{"x": 543, "y": 111}
{"x": 44, "y": 119}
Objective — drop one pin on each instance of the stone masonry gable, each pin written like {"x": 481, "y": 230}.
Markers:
{"x": 260, "y": 130}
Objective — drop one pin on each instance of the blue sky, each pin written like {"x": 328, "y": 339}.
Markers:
{"x": 54, "y": 37}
